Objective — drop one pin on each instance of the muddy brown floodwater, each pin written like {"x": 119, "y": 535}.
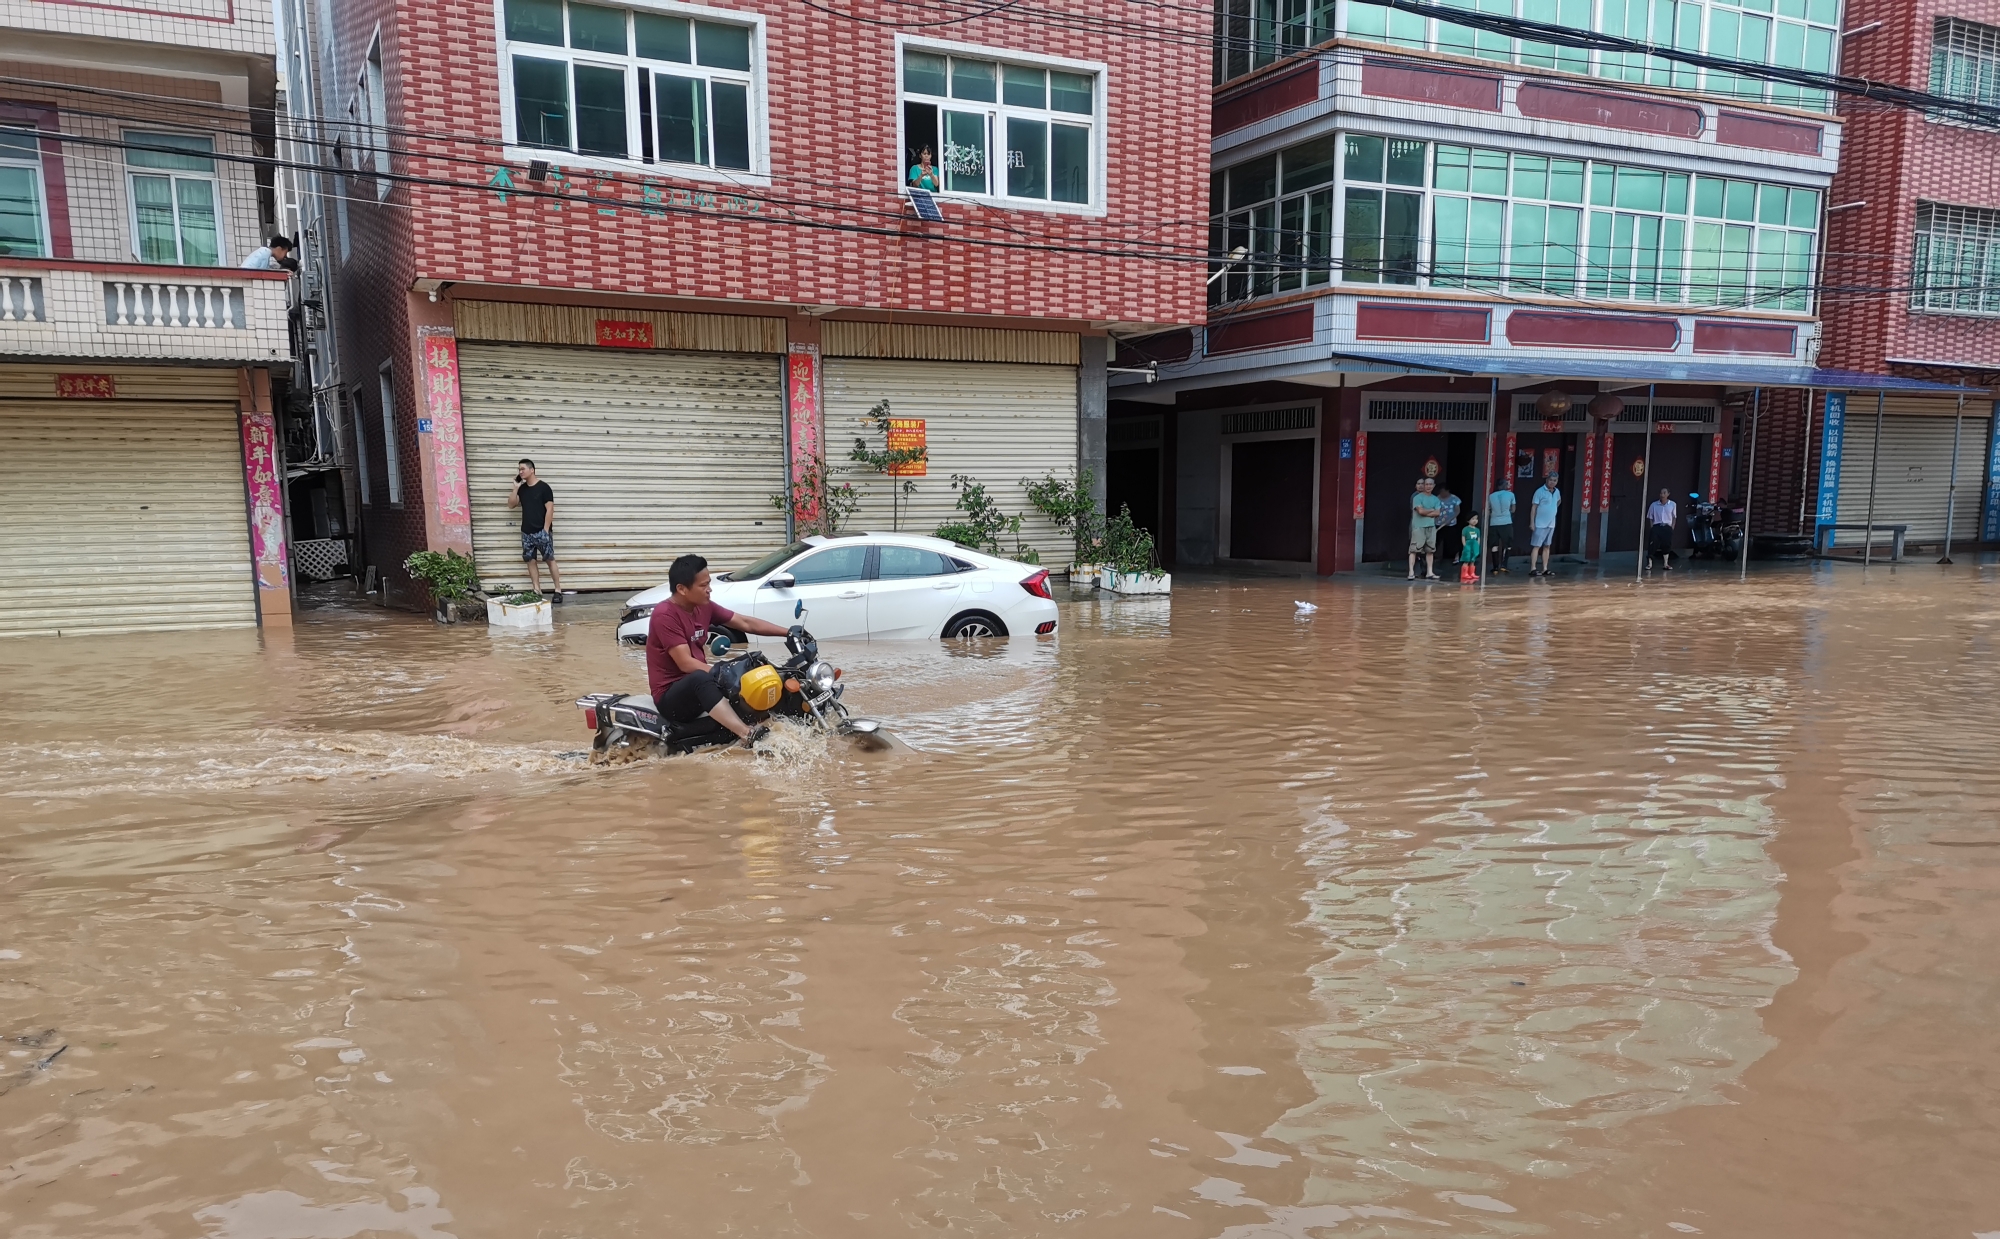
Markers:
{"x": 1570, "y": 909}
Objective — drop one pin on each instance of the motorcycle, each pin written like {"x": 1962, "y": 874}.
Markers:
{"x": 629, "y": 724}
{"x": 1716, "y": 531}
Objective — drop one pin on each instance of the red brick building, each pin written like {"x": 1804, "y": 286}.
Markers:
{"x": 663, "y": 248}
{"x": 1913, "y": 280}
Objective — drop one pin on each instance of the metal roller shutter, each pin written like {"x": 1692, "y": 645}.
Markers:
{"x": 999, "y": 424}
{"x": 1913, "y": 473}
{"x": 137, "y": 518}
{"x": 650, "y": 455}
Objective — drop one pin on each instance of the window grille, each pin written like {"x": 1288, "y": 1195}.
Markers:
{"x": 1427, "y": 411}
{"x": 1965, "y": 60}
{"x": 1133, "y": 432}
{"x": 1956, "y": 268}
{"x": 1263, "y": 420}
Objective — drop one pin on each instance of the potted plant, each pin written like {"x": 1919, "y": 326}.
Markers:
{"x": 984, "y": 522}
{"x": 1068, "y": 505}
{"x": 450, "y": 577}
{"x": 526, "y": 609}
{"x": 1132, "y": 566}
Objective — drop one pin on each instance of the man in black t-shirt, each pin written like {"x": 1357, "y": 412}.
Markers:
{"x": 538, "y": 524}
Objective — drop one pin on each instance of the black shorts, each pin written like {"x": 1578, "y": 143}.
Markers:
{"x": 689, "y": 698}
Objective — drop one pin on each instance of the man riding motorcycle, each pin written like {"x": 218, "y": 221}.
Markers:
{"x": 677, "y": 639}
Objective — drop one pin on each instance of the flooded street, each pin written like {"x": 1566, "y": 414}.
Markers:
{"x": 1562, "y": 909}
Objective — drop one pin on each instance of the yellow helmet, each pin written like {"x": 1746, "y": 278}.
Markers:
{"x": 761, "y": 687}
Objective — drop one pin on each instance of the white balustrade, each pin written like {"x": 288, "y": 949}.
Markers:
{"x": 21, "y": 299}
{"x": 137, "y": 303}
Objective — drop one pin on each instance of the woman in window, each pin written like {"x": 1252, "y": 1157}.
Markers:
{"x": 923, "y": 175}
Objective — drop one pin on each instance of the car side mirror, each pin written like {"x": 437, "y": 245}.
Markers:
{"x": 782, "y": 582}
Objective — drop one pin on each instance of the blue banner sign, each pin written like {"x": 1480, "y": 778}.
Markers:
{"x": 1832, "y": 429}
{"x": 1991, "y": 532}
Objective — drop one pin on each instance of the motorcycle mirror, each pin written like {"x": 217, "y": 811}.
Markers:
{"x": 782, "y": 582}
{"x": 799, "y": 609}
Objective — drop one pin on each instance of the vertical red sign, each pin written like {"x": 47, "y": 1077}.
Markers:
{"x": 439, "y": 346}
{"x": 1360, "y": 475}
{"x": 1589, "y": 471}
{"x": 802, "y": 409}
{"x": 1513, "y": 462}
{"x": 267, "y": 512}
{"x": 1552, "y": 460}
{"x": 1714, "y": 467}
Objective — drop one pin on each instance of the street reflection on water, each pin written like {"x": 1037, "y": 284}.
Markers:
{"x": 1577, "y": 908}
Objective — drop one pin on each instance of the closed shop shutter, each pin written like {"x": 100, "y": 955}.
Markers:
{"x": 650, "y": 455}
{"x": 999, "y": 424}
{"x": 1914, "y": 471}
{"x": 128, "y": 516}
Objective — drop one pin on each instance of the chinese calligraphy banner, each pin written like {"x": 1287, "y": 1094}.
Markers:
{"x": 86, "y": 387}
{"x": 267, "y": 512}
{"x": 439, "y": 347}
{"x": 621, "y": 333}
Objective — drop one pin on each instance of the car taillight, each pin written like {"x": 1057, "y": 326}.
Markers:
{"x": 590, "y": 717}
{"x": 1038, "y": 585}
{"x": 1044, "y": 628}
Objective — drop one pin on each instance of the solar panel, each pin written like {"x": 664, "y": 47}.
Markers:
{"x": 926, "y": 205}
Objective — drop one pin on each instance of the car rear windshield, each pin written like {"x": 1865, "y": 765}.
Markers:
{"x": 761, "y": 566}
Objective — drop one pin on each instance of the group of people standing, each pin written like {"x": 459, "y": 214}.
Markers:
{"x": 1434, "y": 510}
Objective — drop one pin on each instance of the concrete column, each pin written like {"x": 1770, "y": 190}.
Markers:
{"x": 1092, "y": 407}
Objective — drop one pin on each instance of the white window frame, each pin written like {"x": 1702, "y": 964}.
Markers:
{"x": 371, "y": 113}
{"x": 223, "y": 257}
{"x": 41, "y": 184}
{"x": 391, "y": 458}
{"x": 759, "y": 96}
{"x": 1943, "y": 223}
{"x": 997, "y": 116}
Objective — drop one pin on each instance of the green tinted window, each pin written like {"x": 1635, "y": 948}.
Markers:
{"x": 1253, "y": 182}
{"x": 1363, "y": 161}
{"x": 1489, "y": 172}
{"x": 1677, "y": 193}
{"x": 1804, "y": 208}
{"x": 1565, "y": 180}
{"x": 1454, "y": 168}
{"x": 974, "y": 79}
{"x": 535, "y": 21}
{"x": 1531, "y": 177}
{"x": 1640, "y": 190}
{"x": 196, "y": 158}
{"x": 1771, "y": 204}
{"x": 722, "y": 47}
{"x": 596, "y": 29}
{"x": 1406, "y": 161}
{"x": 1072, "y": 92}
{"x": 1708, "y": 193}
{"x": 923, "y": 73}
{"x": 1309, "y": 164}
{"x": 663, "y": 38}
{"x": 1025, "y": 88}
{"x": 1741, "y": 202}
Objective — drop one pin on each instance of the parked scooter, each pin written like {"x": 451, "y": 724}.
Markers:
{"x": 803, "y": 687}
{"x": 1716, "y": 531}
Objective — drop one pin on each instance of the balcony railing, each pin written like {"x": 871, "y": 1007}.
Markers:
{"x": 21, "y": 300}
{"x": 133, "y": 303}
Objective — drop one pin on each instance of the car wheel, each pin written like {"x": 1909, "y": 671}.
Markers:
{"x": 974, "y": 624}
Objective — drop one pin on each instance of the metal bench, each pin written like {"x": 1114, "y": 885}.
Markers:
{"x": 1896, "y": 535}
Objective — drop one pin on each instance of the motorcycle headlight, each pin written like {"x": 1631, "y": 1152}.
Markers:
{"x": 821, "y": 676}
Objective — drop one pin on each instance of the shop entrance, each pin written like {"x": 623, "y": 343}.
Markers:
{"x": 1395, "y": 461}
{"x": 1535, "y": 454}
{"x": 1132, "y": 473}
{"x": 1678, "y": 465}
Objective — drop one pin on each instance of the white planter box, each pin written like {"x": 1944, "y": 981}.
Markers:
{"x": 527, "y": 615}
{"x": 1136, "y": 582}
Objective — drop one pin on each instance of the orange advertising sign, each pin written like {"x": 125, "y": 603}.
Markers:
{"x": 906, "y": 434}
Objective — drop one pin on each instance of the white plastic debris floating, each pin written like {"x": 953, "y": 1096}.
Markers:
{"x": 519, "y": 615}
{"x": 1305, "y": 608}
{"x": 1135, "y": 582}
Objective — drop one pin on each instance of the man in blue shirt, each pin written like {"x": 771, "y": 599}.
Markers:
{"x": 1500, "y": 524}
{"x": 1425, "y": 508}
{"x": 1542, "y": 526}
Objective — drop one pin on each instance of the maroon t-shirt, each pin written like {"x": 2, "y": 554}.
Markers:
{"x": 672, "y": 625}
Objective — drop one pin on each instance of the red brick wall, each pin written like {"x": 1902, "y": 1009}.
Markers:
{"x": 1891, "y": 158}
{"x": 834, "y": 159}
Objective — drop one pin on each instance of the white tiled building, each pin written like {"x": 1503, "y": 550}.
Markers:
{"x": 137, "y": 355}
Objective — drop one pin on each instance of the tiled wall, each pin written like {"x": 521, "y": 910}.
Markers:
{"x": 224, "y": 25}
{"x": 100, "y": 214}
{"x": 1894, "y": 157}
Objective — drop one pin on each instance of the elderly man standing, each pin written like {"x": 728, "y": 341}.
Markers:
{"x": 1425, "y": 508}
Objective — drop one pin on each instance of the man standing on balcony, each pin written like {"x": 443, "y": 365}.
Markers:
{"x": 270, "y": 256}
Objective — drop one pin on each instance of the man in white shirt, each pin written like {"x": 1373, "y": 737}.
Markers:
{"x": 1500, "y": 524}
{"x": 1542, "y": 512}
{"x": 270, "y": 256}
{"x": 1660, "y": 517}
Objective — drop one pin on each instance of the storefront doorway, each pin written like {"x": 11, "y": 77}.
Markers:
{"x": 1536, "y": 454}
{"x": 1679, "y": 464}
{"x": 1395, "y": 461}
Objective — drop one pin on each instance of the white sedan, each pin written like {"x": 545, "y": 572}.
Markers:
{"x": 876, "y": 586}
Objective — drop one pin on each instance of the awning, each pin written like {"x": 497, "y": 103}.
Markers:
{"x": 1644, "y": 370}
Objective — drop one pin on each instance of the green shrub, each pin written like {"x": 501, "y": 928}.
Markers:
{"x": 449, "y": 575}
